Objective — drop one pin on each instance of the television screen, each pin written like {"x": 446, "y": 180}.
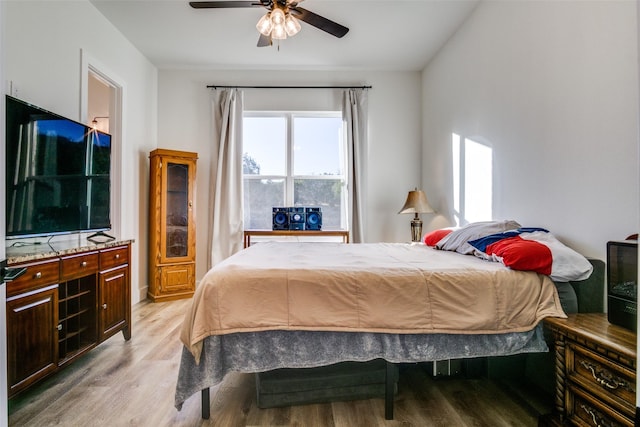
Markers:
{"x": 57, "y": 173}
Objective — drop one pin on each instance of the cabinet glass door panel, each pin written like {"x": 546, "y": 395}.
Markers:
{"x": 177, "y": 241}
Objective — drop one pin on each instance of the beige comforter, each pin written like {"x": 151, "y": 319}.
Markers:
{"x": 380, "y": 287}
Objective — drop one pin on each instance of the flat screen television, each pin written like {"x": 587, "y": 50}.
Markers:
{"x": 57, "y": 174}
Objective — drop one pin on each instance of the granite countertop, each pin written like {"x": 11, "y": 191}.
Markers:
{"x": 33, "y": 250}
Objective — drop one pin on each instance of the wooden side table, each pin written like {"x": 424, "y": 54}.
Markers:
{"x": 280, "y": 233}
{"x": 595, "y": 364}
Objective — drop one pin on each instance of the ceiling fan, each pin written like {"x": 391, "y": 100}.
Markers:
{"x": 280, "y": 20}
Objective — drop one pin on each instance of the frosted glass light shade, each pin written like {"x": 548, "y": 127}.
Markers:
{"x": 264, "y": 25}
{"x": 277, "y": 16}
{"x": 278, "y": 32}
{"x": 291, "y": 25}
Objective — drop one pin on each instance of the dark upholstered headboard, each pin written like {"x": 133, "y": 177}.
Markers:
{"x": 590, "y": 292}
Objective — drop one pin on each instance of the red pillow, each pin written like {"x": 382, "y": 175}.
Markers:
{"x": 432, "y": 238}
{"x": 521, "y": 254}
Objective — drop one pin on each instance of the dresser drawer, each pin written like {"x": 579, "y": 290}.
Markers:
{"x": 583, "y": 409}
{"x": 613, "y": 383}
{"x": 75, "y": 266}
{"x": 114, "y": 257}
{"x": 38, "y": 274}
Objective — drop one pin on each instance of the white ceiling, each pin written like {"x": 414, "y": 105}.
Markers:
{"x": 384, "y": 35}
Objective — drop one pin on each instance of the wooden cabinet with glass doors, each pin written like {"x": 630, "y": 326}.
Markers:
{"x": 172, "y": 226}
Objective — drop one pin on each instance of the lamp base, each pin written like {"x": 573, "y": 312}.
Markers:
{"x": 416, "y": 229}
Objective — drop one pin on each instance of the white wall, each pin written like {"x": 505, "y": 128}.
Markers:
{"x": 553, "y": 86}
{"x": 45, "y": 66}
{"x": 394, "y": 130}
{"x": 638, "y": 191}
{"x": 4, "y": 410}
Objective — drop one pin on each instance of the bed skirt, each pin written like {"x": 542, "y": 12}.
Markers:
{"x": 253, "y": 352}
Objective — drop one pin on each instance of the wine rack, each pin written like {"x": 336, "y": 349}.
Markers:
{"x": 76, "y": 314}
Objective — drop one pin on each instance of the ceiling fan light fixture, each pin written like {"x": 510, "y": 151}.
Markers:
{"x": 281, "y": 20}
{"x": 291, "y": 25}
{"x": 264, "y": 25}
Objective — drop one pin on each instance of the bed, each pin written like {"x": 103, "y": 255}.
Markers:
{"x": 303, "y": 305}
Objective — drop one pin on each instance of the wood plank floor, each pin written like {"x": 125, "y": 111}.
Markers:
{"x": 132, "y": 383}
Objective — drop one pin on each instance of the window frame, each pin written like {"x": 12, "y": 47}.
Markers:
{"x": 289, "y": 178}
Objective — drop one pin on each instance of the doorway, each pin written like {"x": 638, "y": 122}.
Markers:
{"x": 99, "y": 97}
{"x": 102, "y": 104}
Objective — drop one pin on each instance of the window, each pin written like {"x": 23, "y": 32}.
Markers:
{"x": 294, "y": 159}
{"x": 472, "y": 180}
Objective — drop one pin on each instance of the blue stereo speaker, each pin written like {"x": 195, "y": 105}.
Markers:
{"x": 313, "y": 219}
{"x": 296, "y": 218}
{"x": 280, "y": 218}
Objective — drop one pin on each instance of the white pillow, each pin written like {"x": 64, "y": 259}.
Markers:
{"x": 568, "y": 265}
{"x": 534, "y": 249}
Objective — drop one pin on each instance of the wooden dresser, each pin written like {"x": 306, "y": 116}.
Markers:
{"x": 70, "y": 298}
{"x": 595, "y": 372}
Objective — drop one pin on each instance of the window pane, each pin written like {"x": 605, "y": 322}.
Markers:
{"x": 260, "y": 195}
{"x": 177, "y": 208}
{"x": 323, "y": 193}
{"x": 264, "y": 145}
{"x": 317, "y": 146}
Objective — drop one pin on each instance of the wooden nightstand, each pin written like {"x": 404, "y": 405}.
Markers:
{"x": 595, "y": 372}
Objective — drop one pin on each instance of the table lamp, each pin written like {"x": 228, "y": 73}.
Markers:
{"x": 416, "y": 203}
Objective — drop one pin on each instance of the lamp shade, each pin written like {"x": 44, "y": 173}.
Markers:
{"x": 416, "y": 203}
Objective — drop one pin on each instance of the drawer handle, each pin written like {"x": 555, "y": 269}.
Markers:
{"x": 594, "y": 417}
{"x": 83, "y": 264}
{"x": 604, "y": 378}
{"x": 117, "y": 256}
{"x": 104, "y": 306}
{"x": 60, "y": 327}
{"x": 38, "y": 275}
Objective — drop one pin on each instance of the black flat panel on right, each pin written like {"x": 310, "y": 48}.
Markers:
{"x": 622, "y": 283}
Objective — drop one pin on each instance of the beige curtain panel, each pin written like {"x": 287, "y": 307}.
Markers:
{"x": 225, "y": 202}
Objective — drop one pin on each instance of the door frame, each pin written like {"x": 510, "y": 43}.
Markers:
{"x": 91, "y": 66}
{"x": 4, "y": 407}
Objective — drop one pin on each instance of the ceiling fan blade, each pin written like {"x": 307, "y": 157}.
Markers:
{"x": 222, "y": 4}
{"x": 264, "y": 41}
{"x": 319, "y": 22}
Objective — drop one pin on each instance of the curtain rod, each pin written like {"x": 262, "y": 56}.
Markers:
{"x": 286, "y": 87}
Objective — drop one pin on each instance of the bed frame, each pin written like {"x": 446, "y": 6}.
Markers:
{"x": 389, "y": 391}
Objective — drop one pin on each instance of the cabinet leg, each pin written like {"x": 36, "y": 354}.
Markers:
{"x": 126, "y": 333}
